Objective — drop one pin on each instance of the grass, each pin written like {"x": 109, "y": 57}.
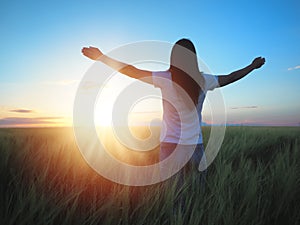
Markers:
{"x": 255, "y": 179}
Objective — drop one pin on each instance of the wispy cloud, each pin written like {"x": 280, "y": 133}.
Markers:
{"x": 245, "y": 107}
{"x": 16, "y": 121}
{"x": 145, "y": 113}
{"x": 61, "y": 82}
{"x": 21, "y": 110}
{"x": 294, "y": 68}
{"x": 89, "y": 85}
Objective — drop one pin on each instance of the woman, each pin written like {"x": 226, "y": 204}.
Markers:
{"x": 183, "y": 89}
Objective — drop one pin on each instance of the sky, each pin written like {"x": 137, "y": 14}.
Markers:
{"x": 41, "y": 63}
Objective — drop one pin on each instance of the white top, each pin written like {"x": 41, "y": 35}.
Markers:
{"x": 173, "y": 130}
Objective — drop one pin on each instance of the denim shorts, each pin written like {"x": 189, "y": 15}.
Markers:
{"x": 196, "y": 163}
{"x": 167, "y": 148}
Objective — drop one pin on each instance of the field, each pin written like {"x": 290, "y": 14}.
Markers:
{"x": 255, "y": 179}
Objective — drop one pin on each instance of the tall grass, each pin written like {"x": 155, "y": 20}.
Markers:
{"x": 255, "y": 179}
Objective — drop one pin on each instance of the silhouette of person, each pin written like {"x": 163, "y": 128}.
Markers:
{"x": 185, "y": 73}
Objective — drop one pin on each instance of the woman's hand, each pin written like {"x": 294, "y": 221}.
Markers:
{"x": 92, "y": 52}
{"x": 258, "y": 62}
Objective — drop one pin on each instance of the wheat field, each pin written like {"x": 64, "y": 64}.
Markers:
{"x": 255, "y": 179}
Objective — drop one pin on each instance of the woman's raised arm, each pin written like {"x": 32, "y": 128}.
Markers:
{"x": 236, "y": 75}
{"x": 129, "y": 70}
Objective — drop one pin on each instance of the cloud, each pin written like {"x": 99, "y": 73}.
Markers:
{"x": 15, "y": 121}
{"x": 245, "y": 107}
{"x": 87, "y": 85}
{"x": 294, "y": 68}
{"x": 93, "y": 85}
{"x": 147, "y": 112}
{"x": 50, "y": 118}
{"x": 61, "y": 82}
{"x": 21, "y": 110}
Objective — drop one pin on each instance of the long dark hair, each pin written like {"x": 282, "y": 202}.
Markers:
{"x": 184, "y": 69}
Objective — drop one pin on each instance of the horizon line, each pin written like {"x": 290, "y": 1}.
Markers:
{"x": 144, "y": 125}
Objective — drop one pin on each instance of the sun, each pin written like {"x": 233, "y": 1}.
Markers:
{"x": 103, "y": 113}
{"x": 106, "y": 99}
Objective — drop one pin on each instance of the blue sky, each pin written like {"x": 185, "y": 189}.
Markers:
{"x": 40, "y": 60}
